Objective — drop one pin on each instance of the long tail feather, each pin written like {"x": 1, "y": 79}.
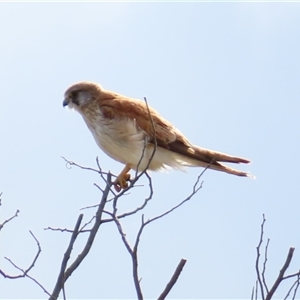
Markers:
{"x": 209, "y": 155}
{"x": 213, "y": 158}
{"x": 209, "y": 158}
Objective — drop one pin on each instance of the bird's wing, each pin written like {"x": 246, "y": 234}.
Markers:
{"x": 146, "y": 118}
{"x": 166, "y": 135}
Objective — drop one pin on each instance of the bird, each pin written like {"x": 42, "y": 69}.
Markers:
{"x": 131, "y": 132}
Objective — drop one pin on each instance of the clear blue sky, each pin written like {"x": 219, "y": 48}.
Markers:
{"x": 226, "y": 74}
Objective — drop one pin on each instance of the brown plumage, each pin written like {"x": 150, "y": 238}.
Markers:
{"x": 124, "y": 130}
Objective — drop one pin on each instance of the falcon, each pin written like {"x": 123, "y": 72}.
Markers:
{"x": 133, "y": 133}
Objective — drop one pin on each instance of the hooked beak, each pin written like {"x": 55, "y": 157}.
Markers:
{"x": 65, "y": 102}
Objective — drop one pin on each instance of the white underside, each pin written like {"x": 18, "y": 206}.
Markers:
{"x": 124, "y": 142}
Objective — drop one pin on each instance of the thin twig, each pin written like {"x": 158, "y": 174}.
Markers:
{"x": 25, "y": 272}
{"x": 257, "y": 259}
{"x": 137, "y": 177}
{"x": 292, "y": 287}
{"x": 122, "y": 233}
{"x": 70, "y": 163}
{"x": 292, "y": 275}
{"x": 296, "y": 288}
{"x": 65, "y": 230}
{"x": 106, "y": 180}
{"x": 195, "y": 190}
{"x": 86, "y": 224}
{"x": 135, "y": 262}
{"x": 264, "y": 266}
{"x": 256, "y": 289}
{"x": 8, "y": 220}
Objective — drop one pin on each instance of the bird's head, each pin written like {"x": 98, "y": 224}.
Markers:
{"x": 81, "y": 94}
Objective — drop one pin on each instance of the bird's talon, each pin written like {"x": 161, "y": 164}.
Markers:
{"x": 121, "y": 182}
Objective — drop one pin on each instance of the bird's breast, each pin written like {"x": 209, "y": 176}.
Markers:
{"x": 121, "y": 139}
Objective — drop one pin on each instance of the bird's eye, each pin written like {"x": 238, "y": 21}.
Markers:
{"x": 74, "y": 94}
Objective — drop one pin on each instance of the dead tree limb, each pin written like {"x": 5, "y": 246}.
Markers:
{"x": 65, "y": 274}
{"x": 173, "y": 280}
{"x": 25, "y": 273}
{"x": 61, "y": 276}
{"x": 281, "y": 274}
{"x": 9, "y": 219}
{"x": 267, "y": 294}
{"x": 259, "y": 279}
{"x": 133, "y": 250}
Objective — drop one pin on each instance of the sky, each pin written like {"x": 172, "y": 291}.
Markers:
{"x": 225, "y": 74}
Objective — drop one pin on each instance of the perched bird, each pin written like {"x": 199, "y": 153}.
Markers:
{"x": 129, "y": 131}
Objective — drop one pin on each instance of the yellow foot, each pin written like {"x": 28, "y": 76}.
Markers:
{"x": 121, "y": 182}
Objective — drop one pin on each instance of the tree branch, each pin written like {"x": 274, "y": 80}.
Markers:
{"x": 281, "y": 273}
{"x": 257, "y": 259}
{"x": 26, "y": 271}
{"x": 264, "y": 267}
{"x": 61, "y": 276}
{"x": 295, "y": 285}
{"x": 133, "y": 251}
{"x": 9, "y": 219}
{"x": 173, "y": 280}
{"x": 261, "y": 276}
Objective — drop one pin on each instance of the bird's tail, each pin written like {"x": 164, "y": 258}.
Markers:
{"x": 211, "y": 159}
{"x": 197, "y": 156}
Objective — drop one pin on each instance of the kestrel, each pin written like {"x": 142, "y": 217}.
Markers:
{"x": 128, "y": 129}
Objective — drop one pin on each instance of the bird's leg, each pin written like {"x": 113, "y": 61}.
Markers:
{"x": 121, "y": 180}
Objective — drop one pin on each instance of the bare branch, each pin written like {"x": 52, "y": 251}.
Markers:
{"x": 122, "y": 233}
{"x": 196, "y": 188}
{"x": 91, "y": 236}
{"x": 261, "y": 276}
{"x": 264, "y": 266}
{"x": 134, "y": 256}
{"x": 64, "y": 274}
{"x": 252, "y": 294}
{"x": 70, "y": 163}
{"x": 81, "y": 230}
{"x": 8, "y": 220}
{"x": 59, "y": 229}
{"x": 296, "y": 288}
{"x": 281, "y": 273}
{"x": 295, "y": 285}
{"x": 254, "y": 291}
{"x": 86, "y": 224}
{"x": 260, "y": 282}
{"x": 172, "y": 280}
{"x": 61, "y": 276}
{"x": 292, "y": 275}
{"x": 26, "y": 271}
